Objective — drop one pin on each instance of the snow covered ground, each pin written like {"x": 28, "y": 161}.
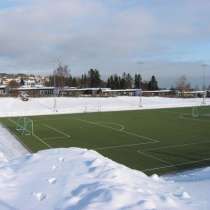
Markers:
{"x": 10, "y": 148}
{"x": 79, "y": 179}
{"x": 40, "y": 106}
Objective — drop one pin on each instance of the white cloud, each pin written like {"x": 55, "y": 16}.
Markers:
{"x": 91, "y": 33}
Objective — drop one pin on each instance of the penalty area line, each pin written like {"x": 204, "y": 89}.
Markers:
{"x": 152, "y": 140}
{"x": 41, "y": 140}
{"x": 152, "y": 156}
{"x": 175, "y": 165}
{"x": 123, "y": 146}
{"x": 58, "y": 131}
{"x": 181, "y": 117}
{"x": 176, "y": 146}
{"x": 53, "y": 138}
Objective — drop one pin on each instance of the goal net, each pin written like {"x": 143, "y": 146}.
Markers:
{"x": 201, "y": 111}
{"x": 25, "y": 126}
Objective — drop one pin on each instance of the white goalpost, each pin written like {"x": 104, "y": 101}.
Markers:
{"x": 25, "y": 126}
{"x": 195, "y": 112}
{"x": 201, "y": 111}
{"x": 204, "y": 98}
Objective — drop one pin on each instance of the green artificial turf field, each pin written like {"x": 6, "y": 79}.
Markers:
{"x": 153, "y": 141}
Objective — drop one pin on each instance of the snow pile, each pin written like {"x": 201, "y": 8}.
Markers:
{"x": 197, "y": 182}
{"x": 10, "y": 148}
{"x": 79, "y": 179}
{"x": 40, "y": 106}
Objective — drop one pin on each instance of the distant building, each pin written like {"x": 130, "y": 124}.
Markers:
{"x": 36, "y": 91}
{"x": 72, "y": 91}
{"x": 3, "y": 90}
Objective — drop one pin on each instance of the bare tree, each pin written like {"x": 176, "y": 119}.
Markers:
{"x": 182, "y": 84}
{"x": 60, "y": 75}
{"x": 13, "y": 84}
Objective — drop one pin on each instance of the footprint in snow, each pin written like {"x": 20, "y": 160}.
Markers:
{"x": 54, "y": 167}
{"x": 40, "y": 196}
{"x": 61, "y": 159}
{"x": 52, "y": 180}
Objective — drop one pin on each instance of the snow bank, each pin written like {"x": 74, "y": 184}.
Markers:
{"x": 197, "y": 182}
{"x": 10, "y": 148}
{"x": 79, "y": 179}
{"x": 44, "y": 106}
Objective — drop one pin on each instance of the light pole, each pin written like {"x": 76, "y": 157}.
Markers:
{"x": 140, "y": 93}
{"x": 55, "y": 89}
{"x": 204, "y": 66}
{"x": 204, "y": 83}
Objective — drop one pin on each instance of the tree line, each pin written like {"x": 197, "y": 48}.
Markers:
{"x": 92, "y": 79}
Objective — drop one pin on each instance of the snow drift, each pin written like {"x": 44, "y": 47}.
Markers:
{"x": 10, "y": 148}
{"x": 79, "y": 179}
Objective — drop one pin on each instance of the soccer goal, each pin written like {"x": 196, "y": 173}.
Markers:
{"x": 25, "y": 126}
{"x": 201, "y": 111}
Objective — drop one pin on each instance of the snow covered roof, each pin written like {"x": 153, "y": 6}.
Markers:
{"x": 3, "y": 86}
{"x": 85, "y": 89}
{"x": 194, "y": 92}
{"x": 134, "y": 90}
{"x": 34, "y": 88}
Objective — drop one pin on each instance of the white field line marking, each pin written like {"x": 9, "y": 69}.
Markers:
{"x": 21, "y": 142}
{"x": 104, "y": 126}
{"x": 182, "y": 115}
{"x": 177, "y": 145}
{"x": 122, "y": 131}
{"x": 56, "y": 137}
{"x": 122, "y": 127}
{"x": 174, "y": 165}
{"x": 123, "y": 146}
{"x": 189, "y": 118}
{"x": 41, "y": 140}
{"x": 152, "y": 156}
{"x": 37, "y": 137}
{"x": 58, "y": 131}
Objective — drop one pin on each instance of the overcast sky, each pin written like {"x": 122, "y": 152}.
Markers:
{"x": 167, "y": 38}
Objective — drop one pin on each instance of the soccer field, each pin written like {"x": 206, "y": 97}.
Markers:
{"x": 153, "y": 141}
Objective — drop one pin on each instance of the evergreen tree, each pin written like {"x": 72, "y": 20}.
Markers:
{"x": 116, "y": 82}
{"x": 129, "y": 81}
{"x": 74, "y": 82}
{"x": 153, "y": 84}
{"x": 137, "y": 81}
{"x": 84, "y": 81}
{"x": 94, "y": 78}
{"x": 112, "y": 86}
{"x": 123, "y": 81}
